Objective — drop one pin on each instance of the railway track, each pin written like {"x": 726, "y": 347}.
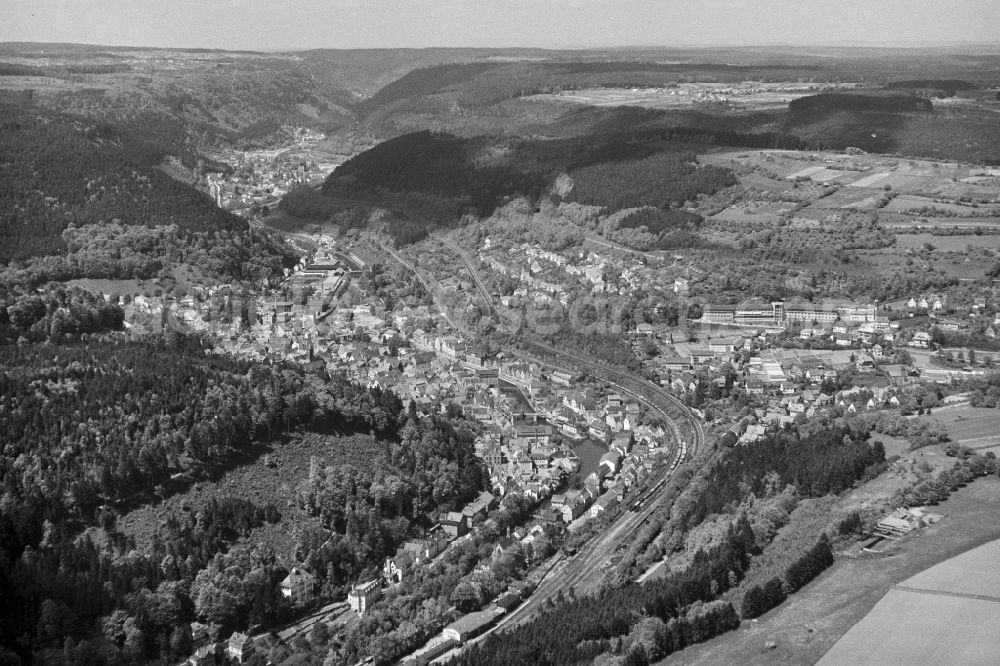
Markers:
{"x": 585, "y": 565}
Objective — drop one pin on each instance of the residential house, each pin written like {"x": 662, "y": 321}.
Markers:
{"x": 920, "y": 340}
{"x": 622, "y": 442}
{"x": 395, "y": 567}
{"x": 572, "y": 510}
{"x": 298, "y": 587}
{"x": 603, "y": 503}
{"x": 610, "y": 462}
{"x": 240, "y": 647}
{"x": 455, "y": 524}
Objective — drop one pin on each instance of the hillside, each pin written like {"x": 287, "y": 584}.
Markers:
{"x": 66, "y": 181}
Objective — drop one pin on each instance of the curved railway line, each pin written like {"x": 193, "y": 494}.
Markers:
{"x": 596, "y": 554}
{"x": 584, "y": 567}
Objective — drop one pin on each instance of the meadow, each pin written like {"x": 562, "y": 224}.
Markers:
{"x": 915, "y": 622}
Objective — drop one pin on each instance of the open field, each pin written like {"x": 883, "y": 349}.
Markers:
{"x": 915, "y": 622}
{"x": 975, "y": 427}
{"x": 909, "y": 627}
{"x": 894, "y": 446}
{"x": 975, "y": 573}
{"x": 808, "y": 624}
{"x": 749, "y": 95}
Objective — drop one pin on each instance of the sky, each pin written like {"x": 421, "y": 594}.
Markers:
{"x": 304, "y": 24}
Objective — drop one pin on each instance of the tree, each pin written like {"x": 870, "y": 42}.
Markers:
{"x": 650, "y": 634}
{"x": 466, "y": 596}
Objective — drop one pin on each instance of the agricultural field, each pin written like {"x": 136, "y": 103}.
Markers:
{"x": 909, "y": 177}
{"x": 957, "y": 243}
{"x": 915, "y": 622}
{"x": 916, "y": 223}
{"x": 749, "y": 95}
{"x": 850, "y": 198}
{"x": 917, "y": 205}
{"x": 811, "y": 621}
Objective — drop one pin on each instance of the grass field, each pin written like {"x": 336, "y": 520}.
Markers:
{"x": 909, "y": 627}
{"x": 915, "y": 622}
{"x": 975, "y": 427}
{"x": 808, "y": 624}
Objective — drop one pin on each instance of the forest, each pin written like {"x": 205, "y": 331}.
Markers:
{"x": 425, "y": 163}
{"x": 831, "y": 102}
{"x": 654, "y": 229}
{"x": 55, "y": 314}
{"x": 87, "y": 197}
{"x": 422, "y": 81}
{"x": 369, "y": 509}
{"x": 936, "y": 87}
{"x": 640, "y": 622}
{"x": 823, "y": 460}
{"x": 663, "y": 181}
{"x": 91, "y": 429}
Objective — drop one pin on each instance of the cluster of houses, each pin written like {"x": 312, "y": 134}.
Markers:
{"x": 237, "y": 649}
{"x": 543, "y": 275}
{"x": 264, "y": 176}
{"x": 784, "y": 409}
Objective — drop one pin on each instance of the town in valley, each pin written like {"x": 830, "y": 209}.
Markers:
{"x": 484, "y": 355}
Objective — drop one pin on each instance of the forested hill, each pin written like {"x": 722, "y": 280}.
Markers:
{"x": 59, "y": 171}
{"x": 423, "y": 81}
{"x": 92, "y": 428}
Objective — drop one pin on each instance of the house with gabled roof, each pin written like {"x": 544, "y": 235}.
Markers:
{"x": 239, "y": 647}
{"x": 299, "y": 587}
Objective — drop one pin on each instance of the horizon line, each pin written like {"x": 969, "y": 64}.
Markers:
{"x": 881, "y": 45}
